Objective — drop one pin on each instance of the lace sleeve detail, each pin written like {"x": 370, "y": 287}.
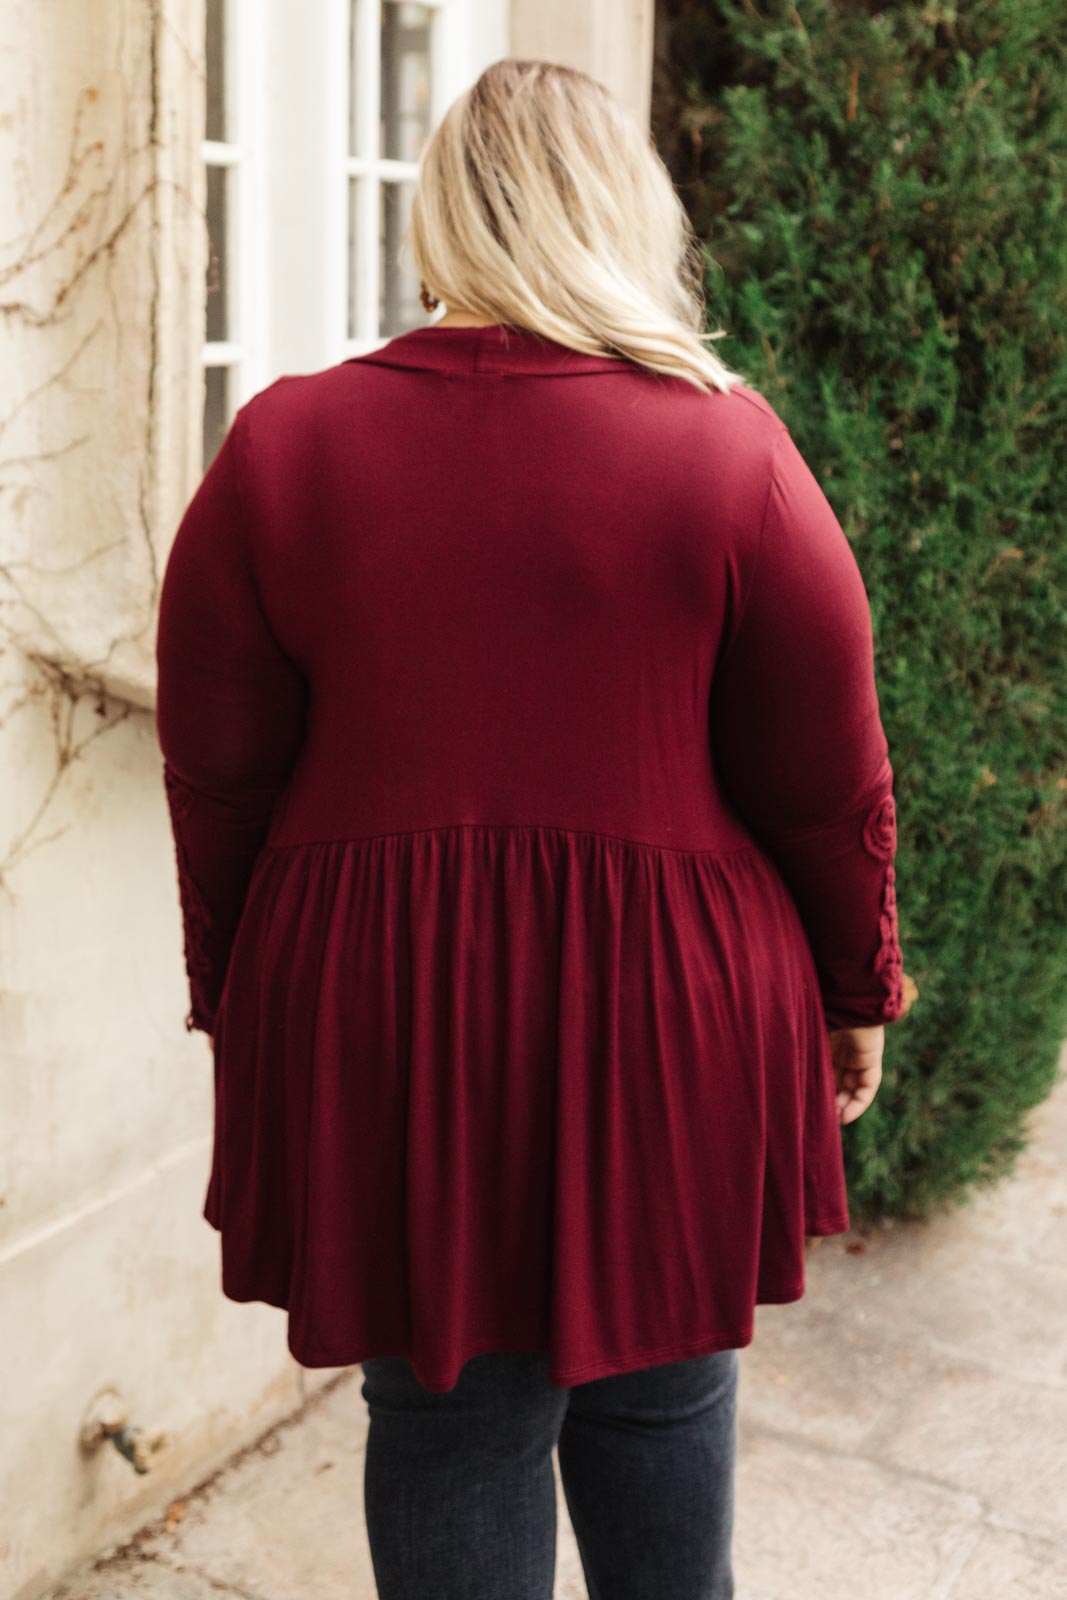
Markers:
{"x": 196, "y": 915}
{"x": 880, "y": 841}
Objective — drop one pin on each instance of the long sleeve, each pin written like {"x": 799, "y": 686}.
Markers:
{"x": 798, "y": 741}
{"x": 230, "y": 718}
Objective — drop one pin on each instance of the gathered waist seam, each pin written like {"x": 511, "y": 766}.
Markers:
{"x": 515, "y": 827}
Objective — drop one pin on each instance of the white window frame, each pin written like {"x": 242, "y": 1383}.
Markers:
{"x": 374, "y": 169}
{"x": 287, "y": 156}
{"x": 240, "y": 156}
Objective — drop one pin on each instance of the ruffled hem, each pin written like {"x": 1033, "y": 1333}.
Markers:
{"x": 493, "y": 1087}
{"x": 604, "y": 1367}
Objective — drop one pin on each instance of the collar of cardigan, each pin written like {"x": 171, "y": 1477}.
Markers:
{"x": 497, "y": 348}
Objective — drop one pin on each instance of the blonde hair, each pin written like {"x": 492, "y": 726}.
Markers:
{"x": 540, "y": 202}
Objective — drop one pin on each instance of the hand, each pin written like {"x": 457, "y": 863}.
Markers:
{"x": 857, "y": 1057}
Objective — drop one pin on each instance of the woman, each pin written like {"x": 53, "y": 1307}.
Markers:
{"x": 535, "y": 831}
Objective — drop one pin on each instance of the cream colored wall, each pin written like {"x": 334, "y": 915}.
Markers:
{"x": 108, "y": 1274}
{"x": 611, "y": 39}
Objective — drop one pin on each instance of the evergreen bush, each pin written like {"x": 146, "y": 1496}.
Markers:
{"x": 880, "y": 190}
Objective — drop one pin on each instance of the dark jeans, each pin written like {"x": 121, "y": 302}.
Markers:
{"x": 460, "y": 1494}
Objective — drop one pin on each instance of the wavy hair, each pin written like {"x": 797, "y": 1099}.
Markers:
{"x": 540, "y": 202}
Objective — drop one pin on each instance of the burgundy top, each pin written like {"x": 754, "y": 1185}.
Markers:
{"x": 533, "y": 817}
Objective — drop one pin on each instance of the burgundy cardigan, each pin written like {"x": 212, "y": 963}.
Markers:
{"x": 534, "y": 820}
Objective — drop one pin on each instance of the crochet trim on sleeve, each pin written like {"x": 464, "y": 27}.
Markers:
{"x": 196, "y": 915}
{"x": 880, "y": 841}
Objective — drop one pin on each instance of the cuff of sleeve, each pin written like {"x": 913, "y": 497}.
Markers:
{"x": 843, "y": 880}
{"x": 863, "y": 1009}
{"x": 199, "y": 1020}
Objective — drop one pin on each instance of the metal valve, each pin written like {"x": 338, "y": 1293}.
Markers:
{"x": 108, "y": 1418}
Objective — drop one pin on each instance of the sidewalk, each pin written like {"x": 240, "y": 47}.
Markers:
{"x": 903, "y": 1435}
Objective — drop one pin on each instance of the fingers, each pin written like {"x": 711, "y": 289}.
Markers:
{"x": 857, "y": 1084}
{"x": 852, "y": 1103}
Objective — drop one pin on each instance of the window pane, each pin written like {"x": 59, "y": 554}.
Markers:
{"x": 215, "y": 49}
{"x": 405, "y": 90}
{"x": 354, "y": 84}
{"x": 354, "y": 256}
{"x": 216, "y": 411}
{"x": 218, "y": 319}
{"x": 400, "y": 307}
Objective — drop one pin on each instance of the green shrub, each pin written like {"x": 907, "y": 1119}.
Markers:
{"x": 881, "y": 194}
